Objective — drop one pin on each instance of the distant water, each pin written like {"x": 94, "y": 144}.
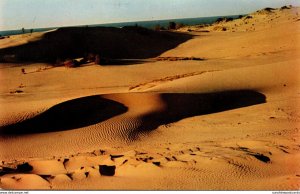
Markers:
{"x": 145, "y": 24}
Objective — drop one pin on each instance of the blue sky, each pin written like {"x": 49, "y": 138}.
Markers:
{"x": 15, "y": 14}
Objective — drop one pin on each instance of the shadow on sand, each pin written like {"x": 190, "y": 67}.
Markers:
{"x": 180, "y": 106}
{"x": 68, "y": 115}
{"x": 91, "y": 110}
{"x": 108, "y": 42}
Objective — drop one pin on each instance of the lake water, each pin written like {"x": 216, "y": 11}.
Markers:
{"x": 146, "y": 24}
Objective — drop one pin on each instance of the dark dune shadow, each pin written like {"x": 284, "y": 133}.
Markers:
{"x": 113, "y": 43}
{"x": 68, "y": 115}
{"x": 180, "y": 106}
{"x": 91, "y": 110}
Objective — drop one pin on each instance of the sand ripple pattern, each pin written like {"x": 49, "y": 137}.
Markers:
{"x": 87, "y": 123}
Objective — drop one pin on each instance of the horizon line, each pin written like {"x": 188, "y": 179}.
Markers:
{"x": 90, "y": 25}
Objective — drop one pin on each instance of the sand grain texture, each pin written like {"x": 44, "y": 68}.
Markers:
{"x": 229, "y": 121}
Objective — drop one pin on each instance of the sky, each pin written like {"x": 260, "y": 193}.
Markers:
{"x": 16, "y": 14}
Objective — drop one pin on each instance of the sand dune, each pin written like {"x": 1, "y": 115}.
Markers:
{"x": 115, "y": 117}
{"x": 229, "y": 122}
{"x": 68, "y": 115}
{"x": 258, "y": 78}
{"x": 74, "y": 42}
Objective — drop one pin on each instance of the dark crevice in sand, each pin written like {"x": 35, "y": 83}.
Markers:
{"x": 106, "y": 170}
{"x": 108, "y": 42}
{"x": 258, "y": 156}
{"x": 68, "y": 115}
{"x": 261, "y": 157}
{"x": 21, "y": 168}
{"x": 47, "y": 177}
{"x": 180, "y": 106}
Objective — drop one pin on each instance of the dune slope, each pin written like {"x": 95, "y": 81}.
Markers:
{"x": 228, "y": 122}
{"x": 74, "y": 42}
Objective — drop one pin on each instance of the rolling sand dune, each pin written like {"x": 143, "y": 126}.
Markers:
{"x": 97, "y": 118}
{"x": 229, "y": 121}
{"x": 74, "y": 42}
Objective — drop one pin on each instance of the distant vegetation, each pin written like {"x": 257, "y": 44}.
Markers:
{"x": 286, "y": 7}
{"x": 3, "y": 37}
{"x": 159, "y": 27}
{"x": 171, "y": 26}
{"x": 23, "y": 30}
{"x": 224, "y": 19}
{"x": 175, "y": 26}
{"x": 269, "y": 9}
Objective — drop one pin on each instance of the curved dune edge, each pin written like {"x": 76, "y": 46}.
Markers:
{"x": 160, "y": 109}
{"x": 87, "y": 111}
{"x": 116, "y": 118}
{"x": 68, "y": 115}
